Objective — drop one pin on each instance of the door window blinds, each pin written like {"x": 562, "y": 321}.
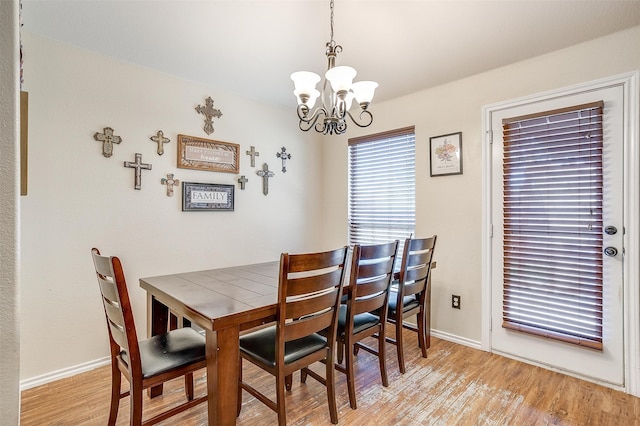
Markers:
{"x": 553, "y": 276}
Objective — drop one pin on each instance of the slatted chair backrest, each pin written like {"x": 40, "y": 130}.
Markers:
{"x": 416, "y": 265}
{"x": 310, "y": 286}
{"x": 117, "y": 309}
{"x": 370, "y": 279}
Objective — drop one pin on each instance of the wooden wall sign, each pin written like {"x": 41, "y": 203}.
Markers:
{"x": 206, "y": 154}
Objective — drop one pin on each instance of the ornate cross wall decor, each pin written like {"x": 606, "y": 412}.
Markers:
{"x": 138, "y": 165}
{"x": 265, "y": 174}
{"x": 242, "y": 181}
{"x": 209, "y": 112}
{"x": 108, "y": 139}
{"x": 170, "y": 182}
{"x": 284, "y": 156}
{"x": 160, "y": 140}
{"x": 253, "y": 153}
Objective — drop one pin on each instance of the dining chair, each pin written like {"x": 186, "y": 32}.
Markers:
{"x": 365, "y": 312}
{"x": 412, "y": 295}
{"x": 144, "y": 363}
{"x": 309, "y": 291}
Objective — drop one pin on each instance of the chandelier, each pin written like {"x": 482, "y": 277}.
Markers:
{"x": 336, "y": 97}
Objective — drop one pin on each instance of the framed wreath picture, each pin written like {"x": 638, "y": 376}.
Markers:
{"x": 446, "y": 154}
{"x": 207, "y": 197}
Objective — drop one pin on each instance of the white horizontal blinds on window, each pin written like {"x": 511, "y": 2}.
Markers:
{"x": 382, "y": 187}
{"x": 553, "y": 224}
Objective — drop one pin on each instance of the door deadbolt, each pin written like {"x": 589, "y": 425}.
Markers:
{"x": 610, "y": 230}
{"x": 611, "y": 251}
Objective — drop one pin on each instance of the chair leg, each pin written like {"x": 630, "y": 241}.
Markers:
{"x": 400, "y": 344}
{"x": 239, "y": 407}
{"x": 422, "y": 336}
{"x": 382, "y": 355}
{"x": 116, "y": 382}
{"x": 188, "y": 386}
{"x": 331, "y": 387}
{"x": 280, "y": 403}
{"x": 288, "y": 382}
{"x": 350, "y": 374}
{"x": 340, "y": 351}
{"x": 135, "y": 399}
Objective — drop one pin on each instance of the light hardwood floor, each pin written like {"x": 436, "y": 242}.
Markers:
{"x": 455, "y": 385}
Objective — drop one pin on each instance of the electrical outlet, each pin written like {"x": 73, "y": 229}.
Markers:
{"x": 455, "y": 301}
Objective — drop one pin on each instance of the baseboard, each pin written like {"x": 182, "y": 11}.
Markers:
{"x": 63, "y": 373}
{"x": 456, "y": 339}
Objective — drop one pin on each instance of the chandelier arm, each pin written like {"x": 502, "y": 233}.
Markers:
{"x": 363, "y": 123}
{"x": 306, "y": 123}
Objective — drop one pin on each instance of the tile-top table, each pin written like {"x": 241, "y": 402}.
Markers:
{"x": 223, "y": 302}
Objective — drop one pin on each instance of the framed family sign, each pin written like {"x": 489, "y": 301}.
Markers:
{"x": 207, "y": 196}
{"x": 207, "y": 154}
{"x": 446, "y": 154}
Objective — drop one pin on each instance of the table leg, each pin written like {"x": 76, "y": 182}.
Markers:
{"x": 158, "y": 320}
{"x": 222, "y": 375}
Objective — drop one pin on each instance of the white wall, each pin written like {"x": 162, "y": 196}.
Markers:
{"x": 451, "y": 206}
{"x": 79, "y": 199}
{"x": 9, "y": 209}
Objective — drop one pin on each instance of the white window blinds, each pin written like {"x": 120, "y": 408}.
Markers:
{"x": 382, "y": 187}
{"x": 553, "y": 224}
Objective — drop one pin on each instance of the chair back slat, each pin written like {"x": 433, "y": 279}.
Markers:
{"x": 306, "y": 326}
{"x": 315, "y": 281}
{"x": 309, "y": 306}
{"x": 316, "y": 261}
{"x": 370, "y": 304}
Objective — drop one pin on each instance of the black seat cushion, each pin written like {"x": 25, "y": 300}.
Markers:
{"x": 408, "y": 303}
{"x": 171, "y": 350}
{"x": 261, "y": 345}
{"x": 360, "y": 321}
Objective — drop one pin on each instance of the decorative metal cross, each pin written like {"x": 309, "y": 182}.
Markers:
{"x": 170, "y": 182}
{"x": 253, "y": 153}
{"x": 265, "y": 174}
{"x": 242, "y": 181}
{"x": 108, "y": 139}
{"x": 284, "y": 156}
{"x": 160, "y": 140}
{"x": 138, "y": 165}
{"x": 209, "y": 112}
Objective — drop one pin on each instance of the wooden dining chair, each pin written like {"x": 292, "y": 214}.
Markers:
{"x": 413, "y": 295}
{"x": 144, "y": 363}
{"x": 309, "y": 291}
{"x": 365, "y": 312}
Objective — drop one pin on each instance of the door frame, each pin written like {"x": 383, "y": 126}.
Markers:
{"x": 631, "y": 209}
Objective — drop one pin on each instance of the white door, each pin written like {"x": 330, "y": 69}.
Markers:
{"x": 606, "y": 365}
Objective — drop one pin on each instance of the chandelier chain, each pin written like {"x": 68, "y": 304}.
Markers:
{"x": 331, "y": 6}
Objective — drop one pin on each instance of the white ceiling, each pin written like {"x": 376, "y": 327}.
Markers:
{"x": 251, "y": 47}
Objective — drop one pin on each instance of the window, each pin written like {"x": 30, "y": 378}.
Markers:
{"x": 382, "y": 187}
{"x": 553, "y": 192}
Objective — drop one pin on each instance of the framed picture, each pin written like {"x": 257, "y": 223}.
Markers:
{"x": 446, "y": 154}
{"x": 207, "y": 196}
{"x": 209, "y": 155}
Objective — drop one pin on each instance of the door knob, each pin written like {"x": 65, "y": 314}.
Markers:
{"x": 611, "y": 251}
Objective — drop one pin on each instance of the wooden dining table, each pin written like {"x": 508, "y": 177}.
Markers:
{"x": 223, "y": 302}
